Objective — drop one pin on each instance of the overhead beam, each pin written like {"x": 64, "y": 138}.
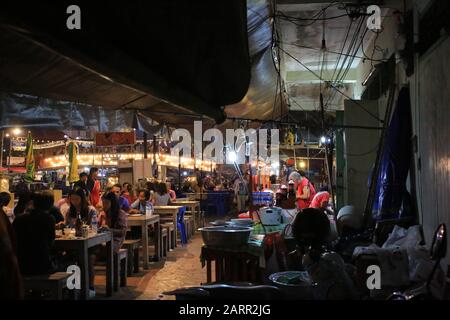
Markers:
{"x": 312, "y": 5}
{"x": 327, "y": 75}
{"x": 305, "y": 5}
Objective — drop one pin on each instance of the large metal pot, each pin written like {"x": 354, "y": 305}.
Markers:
{"x": 225, "y": 236}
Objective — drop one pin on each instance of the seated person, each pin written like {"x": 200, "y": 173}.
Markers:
{"x": 111, "y": 219}
{"x": 59, "y": 218}
{"x": 64, "y": 205}
{"x": 285, "y": 201}
{"x": 114, "y": 219}
{"x": 161, "y": 197}
{"x": 290, "y": 201}
{"x": 35, "y": 234}
{"x": 24, "y": 204}
{"x": 311, "y": 230}
{"x": 172, "y": 193}
{"x": 79, "y": 206}
{"x": 143, "y": 201}
{"x": 11, "y": 287}
{"x": 56, "y": 213}
{"x": 291, "y": 189}
{"x": 128, "y": 192}
{"x": 279, "y": 197}
{"x": 123, "y": 202}
{"x": 284, "y": 191}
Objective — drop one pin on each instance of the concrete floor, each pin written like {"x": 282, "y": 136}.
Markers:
{"x": 181, "y": 268}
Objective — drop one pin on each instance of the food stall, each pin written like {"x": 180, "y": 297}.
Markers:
{"x": 245, "y": 249}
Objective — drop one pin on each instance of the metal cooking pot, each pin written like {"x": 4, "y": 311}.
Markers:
{"x": 225, "y": 236}
{"x": 303, "y": 290}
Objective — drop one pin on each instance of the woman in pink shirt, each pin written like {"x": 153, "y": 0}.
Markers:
{"x": 321, "y": 199}
{"x": 172, "y": 194}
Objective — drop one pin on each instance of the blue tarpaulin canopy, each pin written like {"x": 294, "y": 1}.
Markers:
{"x": 391, "y": 191}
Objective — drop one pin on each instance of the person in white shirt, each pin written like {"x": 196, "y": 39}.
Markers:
{"x": 241, "y": 194}
{"x": 161, "y": 196}
{"x": 63, "y": 205}
{"x": 141, "y": 203}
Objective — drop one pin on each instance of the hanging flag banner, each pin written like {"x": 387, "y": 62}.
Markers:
{"x": 29, "y": 159}
{"x": 73, "y": 162}
{"x": 110, "y": 139}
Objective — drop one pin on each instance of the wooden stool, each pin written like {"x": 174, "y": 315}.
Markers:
{"x": 187, "y": 226}
{"x": 120, "y": 269}
{"x": 170, "y": 234}
{"x": 189, "y": 222}
{"x": 133, "y": 255}
{"x": 192, "y": 223}
{"x": 202, "y": 218}
{"x": 55, "y": 283}
{"x": 164, "y": 242}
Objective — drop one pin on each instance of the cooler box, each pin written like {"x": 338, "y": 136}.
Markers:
{"x": 262, "y": 198}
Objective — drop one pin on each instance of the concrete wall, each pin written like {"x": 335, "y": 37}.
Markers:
{"x": 434, "y": 132}
{"x": 360, "y": 151}
{"x": 388, "y": 42}
{"x": 430, "y": 97}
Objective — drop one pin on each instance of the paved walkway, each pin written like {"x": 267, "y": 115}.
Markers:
{"x": 181, "y": 268}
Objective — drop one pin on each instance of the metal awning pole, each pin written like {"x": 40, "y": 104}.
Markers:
{"x": 145, "y": 145}
{"x": 9, "y": 154}
{"x": 3, "y": 146}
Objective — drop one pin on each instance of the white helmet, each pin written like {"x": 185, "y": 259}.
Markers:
{"x": 348, "y": 216}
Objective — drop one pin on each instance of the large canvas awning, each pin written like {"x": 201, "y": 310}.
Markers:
{"x": 204, "y": 60}
{"x": 26, "y": 111}
{"x": 134, "y": 54}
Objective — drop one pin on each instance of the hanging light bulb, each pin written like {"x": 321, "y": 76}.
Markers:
{"x": 17, "y": 131}
{"x": 232, "y": 156}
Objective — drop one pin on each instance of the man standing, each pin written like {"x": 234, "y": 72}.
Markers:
{"x": 241, "y": 193}
{"x": 305, "y": 189}
{"x": 93, "y": 186}
{"x": 82, "y": 183}
{"x": 294, "y": 178}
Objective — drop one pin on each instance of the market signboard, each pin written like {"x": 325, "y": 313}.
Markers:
{"x": 18, "y": 145}
{"x": 110, "y": 139}
{"x": 16, "y": 161}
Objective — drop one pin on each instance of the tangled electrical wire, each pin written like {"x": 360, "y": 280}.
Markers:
{"x": 347, "y": 55}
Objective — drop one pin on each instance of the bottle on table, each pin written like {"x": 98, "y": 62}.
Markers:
{"x": 94, "y": 224}
{"x": 148, "y": 209}
{"x": 79, "y": 227}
